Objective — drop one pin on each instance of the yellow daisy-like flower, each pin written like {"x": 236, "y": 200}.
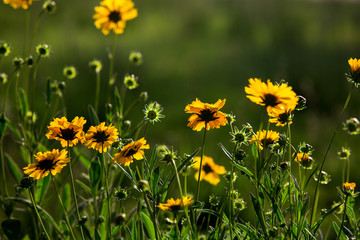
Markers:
{"x": 270, "y": 95}
{"x": 101, "y": 137}
{"x": 281, "y": 115}
{"x": 210, "y": 171}
{"x": 48, "y": 162}
{"x": 19, "y": 3}
{"x": 354, "y": 75}
{"x": 68, "y": 133}
{"x": 113, "y": 14}
{"x": 265, "y": 138}
{"x": 206, "y": 115}
{"x": 349, "y": 186}
{"x": 131, "y": 151}
{"x": 175, "y": 204}
{"x": 354, "y": 64}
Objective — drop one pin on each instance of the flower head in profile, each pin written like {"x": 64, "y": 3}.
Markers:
{"x": 47, "y": 162}
{"x": 113, "y": 15}
{"x": 131, "y": 151}
{"x": 4, "y": 49}
{"x": 304, "y": 159}
{"x": 175, "y": 204}
{"x": 352, "y": 126}
{"x": 349, "y": 186}
{"x": 281, "y": 115}
{"x": 269, "y": 95}
{"x": 68, "y": 133}
{"x": 210, "y": 171}
{"x": 19, "y": 3}
{"x": 265, "y": 138}
{"x": 153, "y": 113}
{"x": 354, "y": 75}
{"x": 344, "y": 153}
{"x": 101, "y": 137}
{"x": 206, "y": 115}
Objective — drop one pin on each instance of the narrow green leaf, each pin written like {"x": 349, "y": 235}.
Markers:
{"x": 126, "y": 173}
{"x": 48, "y": 92}
{"x": 227, "y": 153}
{"x": 133, "y": 230}
{"x": 295, "y": 182}
{"x": 66, "y": 196}
{"x": 93, "y": 116}
{"x": 14, "y": 168}
{"x": 337, "y": 230}
{"x": 83, "y": 185}
{"x": 153, "y": 159}
{"x": 95, "y": 174}
{"x": 83, "y": 158}
{"x": 42, "y": 187}
{"x": 149, "y": 225}
{"x": 258, "y": 211}
{"x": 2, "y": 125}
{"x": 117, "y": 100}
{"x": 11, "y": 228}
{"x": 24, "y": 106}
{"x": 318, "y": 223}
{"x": 154, "y": 179}
{"x": 11, "y": 126}
{"x": 244, "y": 169}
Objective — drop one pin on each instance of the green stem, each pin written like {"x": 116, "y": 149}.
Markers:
{"x": 231, "y": 199}
{"x": 326, "y": 153}
{"x": 200, "y": 166}
{"x": 111, "y": 57}
{"x": 343, "y": 217}
{"x": 38, "y": 215}
{"x": 97, "y": 92}
{"x": 347, "y": 169}
{"x": 107, "y": 192}
{"x": 16, "y": 72}
{"x": 27, "y": 22}
{"x": 74, "y": 195}
{"x": 3, "y": 167}
{"x": 63, "y": 208}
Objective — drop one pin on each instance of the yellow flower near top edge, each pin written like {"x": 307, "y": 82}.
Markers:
{"x": 19, "y": 3}
{"x": 113, "y": 15}
{"x": 47, "y": 162}
{"x": 269, "y": 95}
{"x": 175, "y": 204}
{"x": 101, "y": 137}
{"x": 131, "y": 151}
{"x": 206, "y": 115}
{"x": 264, "y": 137}
{"x": 68, "y": 133}
{"x": 210, "y": 171}
{"x": 349, "y": 186}
{"x": 354, "y": 64}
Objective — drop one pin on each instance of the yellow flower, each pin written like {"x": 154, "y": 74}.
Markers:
{"x": 270, "y": 95}
{"x": 67, "y": 132}
{"x": 206, "y": 115}
{"x": 175, "y": 204}
{"x": 354, "y": 64}
{"x": 281, "y": 115}
{"x": 304, "y": 159}
{"x": 19, "y": 3}
{"x": 210, "y": 171}
{"x": 265, "y": 138}
{"x": 48, "y": 162}
{"x": 131, "y": 151}
{"x": 101, "y": 137}
{"x": 113, "y": 14}
{"x": 349, "y": 186}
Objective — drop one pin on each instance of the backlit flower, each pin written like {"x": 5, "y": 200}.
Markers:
{"x": 113, "y": 14}
{"x": 304, "y": 159}
{"x": 354, "y": 75}
{"x": 19, "y": 3}
{"x": 101, "y": 137}
{"x": 69, "y": 72}
{"x": 270, "y": 95}
{"x": 349, "y": 186}
{"x": 47, "y": 162}
{"x": 206, "y": 115}
{"x": 153, "y": 113}
{"x": 210, "y": 171}
{"x": 265, "y": 138}
{"x": 131, "y": 151}
{"x": 68, "y": 133}
{"x": 175, "y": 204}
{"x": 281, "y": 115}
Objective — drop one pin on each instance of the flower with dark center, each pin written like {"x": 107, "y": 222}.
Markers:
{"x": 48, "y": 162}
{"x": 68, "y": 133}
{"x": 210, "y": 171}
{"x": 354, "y": 75}
{"x": 265, "y": 138}
{"x": 19, "y": 3}
{"x": 205, "y": 115}
{"x": 281, "y": 115}
{"x": 131, "y": 151}
{"x": 113, "y": 15}
{"x": 153, "y": 113}
{"x": 101, "y": 137}
{"x": 175, "y": 204}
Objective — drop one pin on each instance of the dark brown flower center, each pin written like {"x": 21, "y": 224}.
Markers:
{"x": 131, "y": 151}
{"x": 46, "y": 164}
{"x": 101, "y": 136}
{"x": 67, "y": 134}
{"x": 266, "y": 141}
{"x": 175, "y": 207}
{"x": 207, "y": 168}
{"x": 270, "y": 100}
{"x": 283, "y": 118}
{"x": 207, "y": 115}
{"x": 115, "y": 16}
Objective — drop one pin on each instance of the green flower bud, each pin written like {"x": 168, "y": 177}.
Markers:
{"x": 135, "y": 58}
{"x": 43, "y": 50}
{"x": 69, "y": 72}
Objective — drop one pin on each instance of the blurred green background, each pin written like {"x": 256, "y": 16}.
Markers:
{"x": 209, "y": 49}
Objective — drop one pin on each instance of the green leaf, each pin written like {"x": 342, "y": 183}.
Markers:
{"x": 149, "y": 225}
{"x": 42, "y": 187}
{"x": 117, "y": 100}
{"x": 14, "y": 168}
{"x": 48, "y": 92}
{"x": 133, "y": 230}
{"x": 2, "y": 125}
{"x": 337, "y": 230}
{"x": 83, "y": 158}
{"x": 24, "y": 106}
{"x": 153, "y": 159}
{"x": 11, "y": 126}
{"x": 258, "y": 211}
{"x": 83, "y": 185}
{"x": 126, "y": 174}
{"x": 155, "y": 175}
{"x": 11, "y": 228}
{"x": 66, "y": 196}
{"x": 318, "y": 223}
{"x": 95, "y": 174}
{"x": 244, "y": 169}
{"x": 93, "y": 116}
{"x": 227, "y": 153}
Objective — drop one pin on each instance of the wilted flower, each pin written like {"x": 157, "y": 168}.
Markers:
{"x": 69, "y": 72}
